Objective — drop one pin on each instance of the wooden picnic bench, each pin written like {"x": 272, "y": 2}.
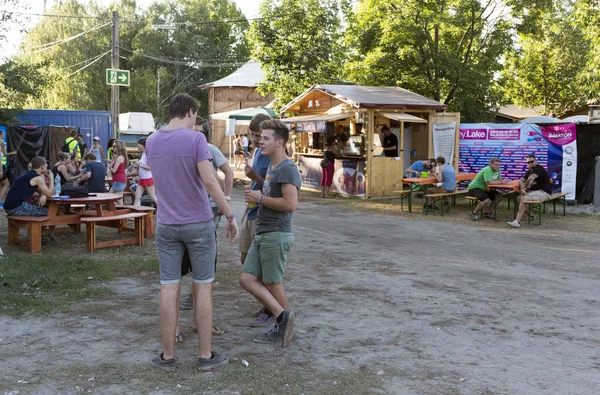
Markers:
{"x": 34, "y": 226}
{"x": 439, "y": 197}
{"x": 90, "y": 230}
{"x": 558, "y": 197}
{"x": 149, "y": 220}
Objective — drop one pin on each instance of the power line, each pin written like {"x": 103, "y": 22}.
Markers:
{"x": 52, "y": 45}
{"x": 183, "y": 62}
{"x": 84, "y": 61}
{"x": 51, "y": 15}
{"x": 89, "y": 64}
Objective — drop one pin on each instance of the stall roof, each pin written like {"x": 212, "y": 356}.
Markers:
{"x": 318, "y": 117}
{"x": 243, "y": 114}
{"x": 360, "y": 96}
{"x": 400, "y": 116}
{"x": 249, "y": 76}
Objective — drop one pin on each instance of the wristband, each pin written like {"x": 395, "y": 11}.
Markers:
{"x": 231, "y": 217}
{"x": 228, "y": 198}
{"x": 260, "y": 198}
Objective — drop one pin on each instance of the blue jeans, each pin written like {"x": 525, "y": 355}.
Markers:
{"x": 28, "y": 210}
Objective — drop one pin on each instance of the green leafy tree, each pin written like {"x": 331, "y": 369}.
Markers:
{"x": 549, "y": 67}
{"x": 298, "y": 43}
{"x": 448, "y": 50}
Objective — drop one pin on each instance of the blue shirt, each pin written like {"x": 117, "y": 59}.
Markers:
{"x": 260, "y": 165}
{"x": 448, "y": 178}
{"x": 418, "y": 166}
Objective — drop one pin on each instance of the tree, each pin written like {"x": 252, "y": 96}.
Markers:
{"x": 548, "y": 69}
{"x": 448, "y": 50}
{"x": 175, "y": 40}
{"x": 298, "y": 43}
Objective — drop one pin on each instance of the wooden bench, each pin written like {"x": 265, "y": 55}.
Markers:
{"x": 149, "y": 225}
{"x": 558, "y": 197}
{"x": 403, "y": 194}
{"x": 90, "y": 230}
{"x": 34, "y": 226}
{"x": 439, "y": 197}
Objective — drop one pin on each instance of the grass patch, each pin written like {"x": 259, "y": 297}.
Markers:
{"x": 40, "y": 285}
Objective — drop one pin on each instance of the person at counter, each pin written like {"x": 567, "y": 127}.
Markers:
{"x": 389, "y": 142}
{"x": 331, "y": 151}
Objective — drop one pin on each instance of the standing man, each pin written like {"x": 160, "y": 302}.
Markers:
{"x": 262, "y": 273}
{"x": 535, "y": 185}
{"x": 72, "y": 145}
{"x": 257, "y": 173}
{"x": 389, "y": 142}
{"x": 183, "y": 174}
{"x": 478, "y": 188}
{"x": 25, "y": 186}
{"x": 82, "y": 146}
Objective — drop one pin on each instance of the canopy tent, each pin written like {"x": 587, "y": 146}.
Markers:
{"x": 402, "y": 117}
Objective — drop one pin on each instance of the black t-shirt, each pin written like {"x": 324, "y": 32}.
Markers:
{"x": 390, "y": 141}
{"x": 541, "y": 182}
{"x": 96, "y": 181}
{"x": 82, "y": 148}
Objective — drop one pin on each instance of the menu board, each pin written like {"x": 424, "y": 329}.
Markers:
{"x": 554, "y": 147}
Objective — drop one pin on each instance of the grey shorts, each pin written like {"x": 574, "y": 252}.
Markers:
{"x": 199, "y": 239}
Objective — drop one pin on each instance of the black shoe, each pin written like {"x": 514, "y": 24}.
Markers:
{"x": 271, "y": 336}
{"x": 489, "y": 216}
{"x": 286, "y": 327}
{"x": 165, "y": 363}
{"x": 214, "y": 360}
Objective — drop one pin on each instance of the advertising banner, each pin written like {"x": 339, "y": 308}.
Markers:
{"x": 444, "y": 136}
{"x": 554, "y": 147}
{"x": 348, "y": 178}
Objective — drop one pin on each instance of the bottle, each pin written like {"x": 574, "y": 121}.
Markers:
{"x": 57, "y": 185}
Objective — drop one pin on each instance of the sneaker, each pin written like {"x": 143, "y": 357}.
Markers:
{"x": 164, "y": 363}
{"x": 270, "y": 336}
{"x": 214, "y": 360}
{"x": 263, "y": 320}
{"x": 514, "y": 224}
{"x": 286, "y": 327}
{"x": 489, "y": 216}
{"x": 258, "y": 312}
{"x": 187, "y": 303}
{"x": 474, "y": 216}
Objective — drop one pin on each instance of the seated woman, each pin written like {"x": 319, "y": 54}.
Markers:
{"x": 61, "y": 168}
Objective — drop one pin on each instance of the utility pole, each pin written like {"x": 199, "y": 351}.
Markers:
{"x": 114, "y": 89}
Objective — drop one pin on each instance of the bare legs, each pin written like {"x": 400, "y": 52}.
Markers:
{"x": 273, "y": 296}
{"x": 139, "y": 191}
{"x": 3, "y": 189}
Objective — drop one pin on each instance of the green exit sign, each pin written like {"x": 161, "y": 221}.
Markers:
{"x": 117, "y": 77}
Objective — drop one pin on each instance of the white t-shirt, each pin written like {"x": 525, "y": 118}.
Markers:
{"x": 144, "y": 174}
{"x": 245, "y": 141}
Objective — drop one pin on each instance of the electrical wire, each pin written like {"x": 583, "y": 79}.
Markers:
{"x": 183, "y": 62}
{"x": 52, "y": 45}
{"x": 51, "y": 15}
{"x": 84, "y": 61}
{"x": 88, "y": 65}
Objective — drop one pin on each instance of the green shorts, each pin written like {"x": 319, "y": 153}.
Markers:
{"x": 267, "y": 255}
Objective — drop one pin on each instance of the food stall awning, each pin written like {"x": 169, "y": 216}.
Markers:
{"x": 317, "y": 117}
{"x": 244, "y": 114}
{"x": 402, "y": 117}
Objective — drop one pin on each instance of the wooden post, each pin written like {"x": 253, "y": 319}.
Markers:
{"x": 430, "y": 135}
{"x": 370, "y": 137}
{"x": 401, "y": 145}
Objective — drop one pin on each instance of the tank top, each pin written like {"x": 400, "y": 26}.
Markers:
{"x": 144, "y": 174}
{"x": 119, "y": 175}
{"x": 55, "y": 171}
{"x": 96, "y": 152}
{"x": 20, "y": 191}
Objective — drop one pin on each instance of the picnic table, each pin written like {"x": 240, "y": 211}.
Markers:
{"x": 425, "y": 182}
{"x": 511, "y": 186}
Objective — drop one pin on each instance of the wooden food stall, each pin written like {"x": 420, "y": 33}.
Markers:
{"x": 359, "y": 113}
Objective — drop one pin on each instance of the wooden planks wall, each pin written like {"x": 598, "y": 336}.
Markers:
{"x": 386, "y": 176}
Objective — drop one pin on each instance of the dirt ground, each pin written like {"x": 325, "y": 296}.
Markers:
{"x": 385, "y": 303}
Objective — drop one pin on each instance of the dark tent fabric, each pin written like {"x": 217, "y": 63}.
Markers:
{"x": 45, "y": 141}
{"x": 588, "y": 148}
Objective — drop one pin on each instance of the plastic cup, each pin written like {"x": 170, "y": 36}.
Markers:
{"x": 251, "y": 204}
{"x": 424, "y": 174}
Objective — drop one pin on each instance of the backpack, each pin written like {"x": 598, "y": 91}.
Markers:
{"x": 65, "y": 147}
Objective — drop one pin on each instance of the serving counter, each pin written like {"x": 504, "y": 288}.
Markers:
{"x": 348, "y": 177}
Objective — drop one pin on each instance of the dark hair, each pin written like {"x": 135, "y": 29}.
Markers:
{"x": 80, "y": 135}
{"x": 73, "y": 133}
{"x": 331, "y": 140}
{"x": 385, "y": 128}
{"x": 181, "y": 104}
{"x": 532, "y": 156}
{"x": 142, "y": 141}
{"x": 90, "y": 156}
{"x": 110, "y": 144}
{"x": 37, "y": 162}
{"x": 280, "y": 128}
{"x": 441, "y": 159}
{"x": 256, "y": 120}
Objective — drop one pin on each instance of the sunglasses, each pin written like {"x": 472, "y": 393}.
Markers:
{"x": 530, "y": 162}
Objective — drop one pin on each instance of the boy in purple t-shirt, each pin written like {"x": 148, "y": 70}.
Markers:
{"x": 183, "y": 175}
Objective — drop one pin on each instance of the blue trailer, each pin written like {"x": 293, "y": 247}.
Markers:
{"x": 90, "y": 123}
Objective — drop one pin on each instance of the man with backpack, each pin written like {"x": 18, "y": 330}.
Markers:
{"x": 71, "y": 144}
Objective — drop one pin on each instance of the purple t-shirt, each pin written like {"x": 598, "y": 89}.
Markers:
{"x": 173, "y": 156}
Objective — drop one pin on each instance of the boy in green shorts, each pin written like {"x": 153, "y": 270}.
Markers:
{"x": 262, "y": 273}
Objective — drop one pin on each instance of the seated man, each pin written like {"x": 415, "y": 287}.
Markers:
{"x": 25, "y": 186}
{"x": 94, "y": 174}
{"x": 535, "y": 185}
{"x": 478, "y": 188}
{"x": 446, "y": 176}
{"x": 420, "y": 166}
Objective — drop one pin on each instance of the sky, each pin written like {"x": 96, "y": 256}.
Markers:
{"x": 9, "y": 48}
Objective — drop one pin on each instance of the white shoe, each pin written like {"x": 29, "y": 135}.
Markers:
{"x": 514, "y": 224}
